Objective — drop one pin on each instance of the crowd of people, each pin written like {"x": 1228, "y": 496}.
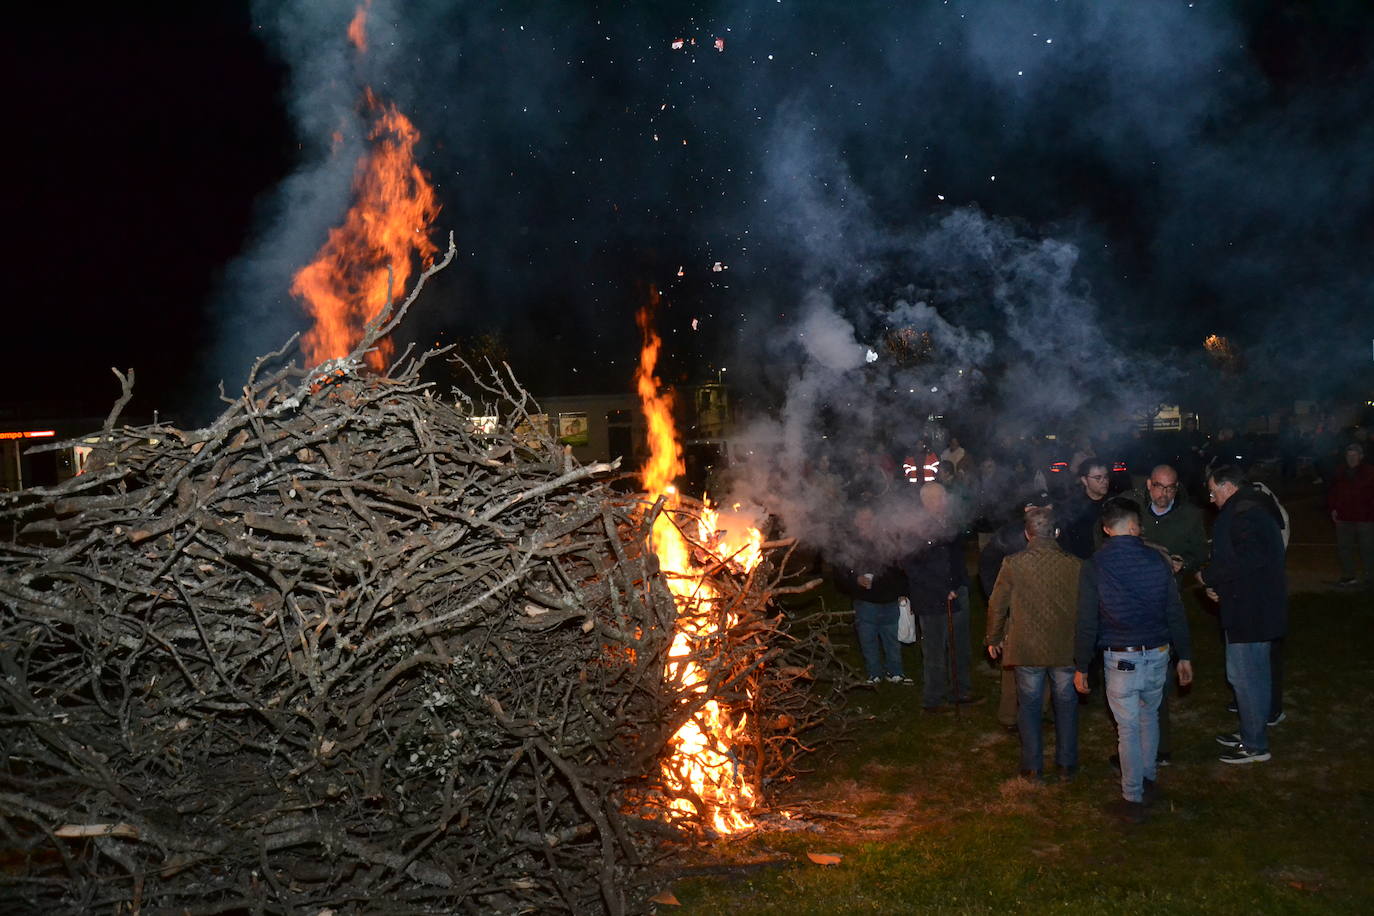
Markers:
{"x": 1084, "y": 588}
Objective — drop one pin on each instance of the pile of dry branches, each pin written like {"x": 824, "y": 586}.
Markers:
{"x": 345, "y": 648}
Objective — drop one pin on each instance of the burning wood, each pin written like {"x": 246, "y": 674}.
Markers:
{"x": 345, "y": 644}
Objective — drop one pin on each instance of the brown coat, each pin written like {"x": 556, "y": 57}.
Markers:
{"x": 1034, "y": 607}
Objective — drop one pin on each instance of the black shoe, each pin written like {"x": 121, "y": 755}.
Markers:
{"x": 1348, "y": 582}
{"x": 971, "y": 701}
{"x": 1229, "y": 740}
{"x": 1231, "y": 707}
{"x": 1152, "y": 792}
{"x": 1066, "y": 774}
{"x": 936, "y": 710}
{"x": 1242, "y": 754}
{"x": 1032, "y": 776}
{"x": 1128, "y": 811}
{"x": 1277, "y": 719}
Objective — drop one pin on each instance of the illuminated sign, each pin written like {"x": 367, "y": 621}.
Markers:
{"x": 30, "y": 434}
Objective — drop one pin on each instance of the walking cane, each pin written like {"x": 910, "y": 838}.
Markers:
{"x": 953, "y": 676}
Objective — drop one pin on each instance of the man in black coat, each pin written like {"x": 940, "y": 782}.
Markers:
{"x": 939, "y": 599}
{"x": 1246, "y": 575}
{"x": 1080, "y": 527}
{"x": 876, "y": 587}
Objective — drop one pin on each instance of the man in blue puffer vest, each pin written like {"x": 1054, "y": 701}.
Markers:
{"x": 1129, "y": 607}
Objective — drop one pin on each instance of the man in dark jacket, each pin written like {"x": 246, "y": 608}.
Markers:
{"x": 1129, "y": 607}
{"x": 939, "y": 599}
{"x": 876, "y": 592}
{"x": 1169, "y": 520}
{"x": 1080, "y": 532}
{"x": 1246, "y": 575}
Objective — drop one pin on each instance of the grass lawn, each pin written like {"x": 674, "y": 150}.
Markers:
{"x": 928, "y": 815}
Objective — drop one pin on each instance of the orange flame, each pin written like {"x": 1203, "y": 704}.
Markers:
{"x": 366, "y": 262}
{"x": 357, "y": 29}
{"x": 701, "y": 765}
{"x": 665, "y": 455}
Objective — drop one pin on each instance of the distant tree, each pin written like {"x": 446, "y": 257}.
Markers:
{"x": 478, "y": 350}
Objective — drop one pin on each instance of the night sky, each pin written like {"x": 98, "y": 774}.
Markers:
{"x": 1179, "y": 168}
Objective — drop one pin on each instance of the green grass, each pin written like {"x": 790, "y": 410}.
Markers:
{"x": 927, "y": 816}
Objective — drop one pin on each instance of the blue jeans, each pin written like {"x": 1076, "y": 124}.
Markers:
{"x": 1134, "y": 694}
{"x": 1030, "y": 693}
{"x": 1247, "y": 668}
{"x": 935, "y": 655}
{"x": 877, "y": 627}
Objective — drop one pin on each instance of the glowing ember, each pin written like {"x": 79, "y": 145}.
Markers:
{"x": 702, "y": 764}
{"x": 367, "y": 261}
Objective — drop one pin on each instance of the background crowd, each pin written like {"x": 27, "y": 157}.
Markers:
{"x": 1086, "y": 576}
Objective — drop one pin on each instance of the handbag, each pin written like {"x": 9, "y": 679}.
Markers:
{"x": 906, "y": 621}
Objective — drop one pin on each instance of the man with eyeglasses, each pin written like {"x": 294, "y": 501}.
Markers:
{"x": 1247, "y": 577}
{"x": 1173, "y": 525}
{"x": 1172, "y": 522}
{"x": 1081, "y": 532}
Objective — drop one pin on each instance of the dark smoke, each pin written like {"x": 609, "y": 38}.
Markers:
{"x": 1066, "y": 197}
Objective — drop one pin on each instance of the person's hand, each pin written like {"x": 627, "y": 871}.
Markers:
{"x": 1176, "y": 562}
{"x": 953, "y": 595}
{"x": 1185, "y": 673}
{"x": 866, "y": 580}
{"x": 1198, "y": 575}
{"x": 1212, "y": 593}
{"x": 1080, "y": 681}
{"x": 995, "y": 652}
{"x": 1333, "y": 516}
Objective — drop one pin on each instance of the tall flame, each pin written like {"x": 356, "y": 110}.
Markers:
{"x": 366, "y": 262}
{"x": 701, "y": 764}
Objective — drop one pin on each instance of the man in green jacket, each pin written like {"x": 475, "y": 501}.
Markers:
{"x": 1170, "y": 523}
{"x": 1031, "y": 619}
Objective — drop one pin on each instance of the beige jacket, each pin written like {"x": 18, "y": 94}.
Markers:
{"x": 1034, "y": 607}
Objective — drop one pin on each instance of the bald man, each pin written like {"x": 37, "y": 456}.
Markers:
{"x": 1169, "y": 520}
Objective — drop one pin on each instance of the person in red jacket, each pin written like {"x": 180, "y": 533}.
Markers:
{"x": 1351, "y": 500}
